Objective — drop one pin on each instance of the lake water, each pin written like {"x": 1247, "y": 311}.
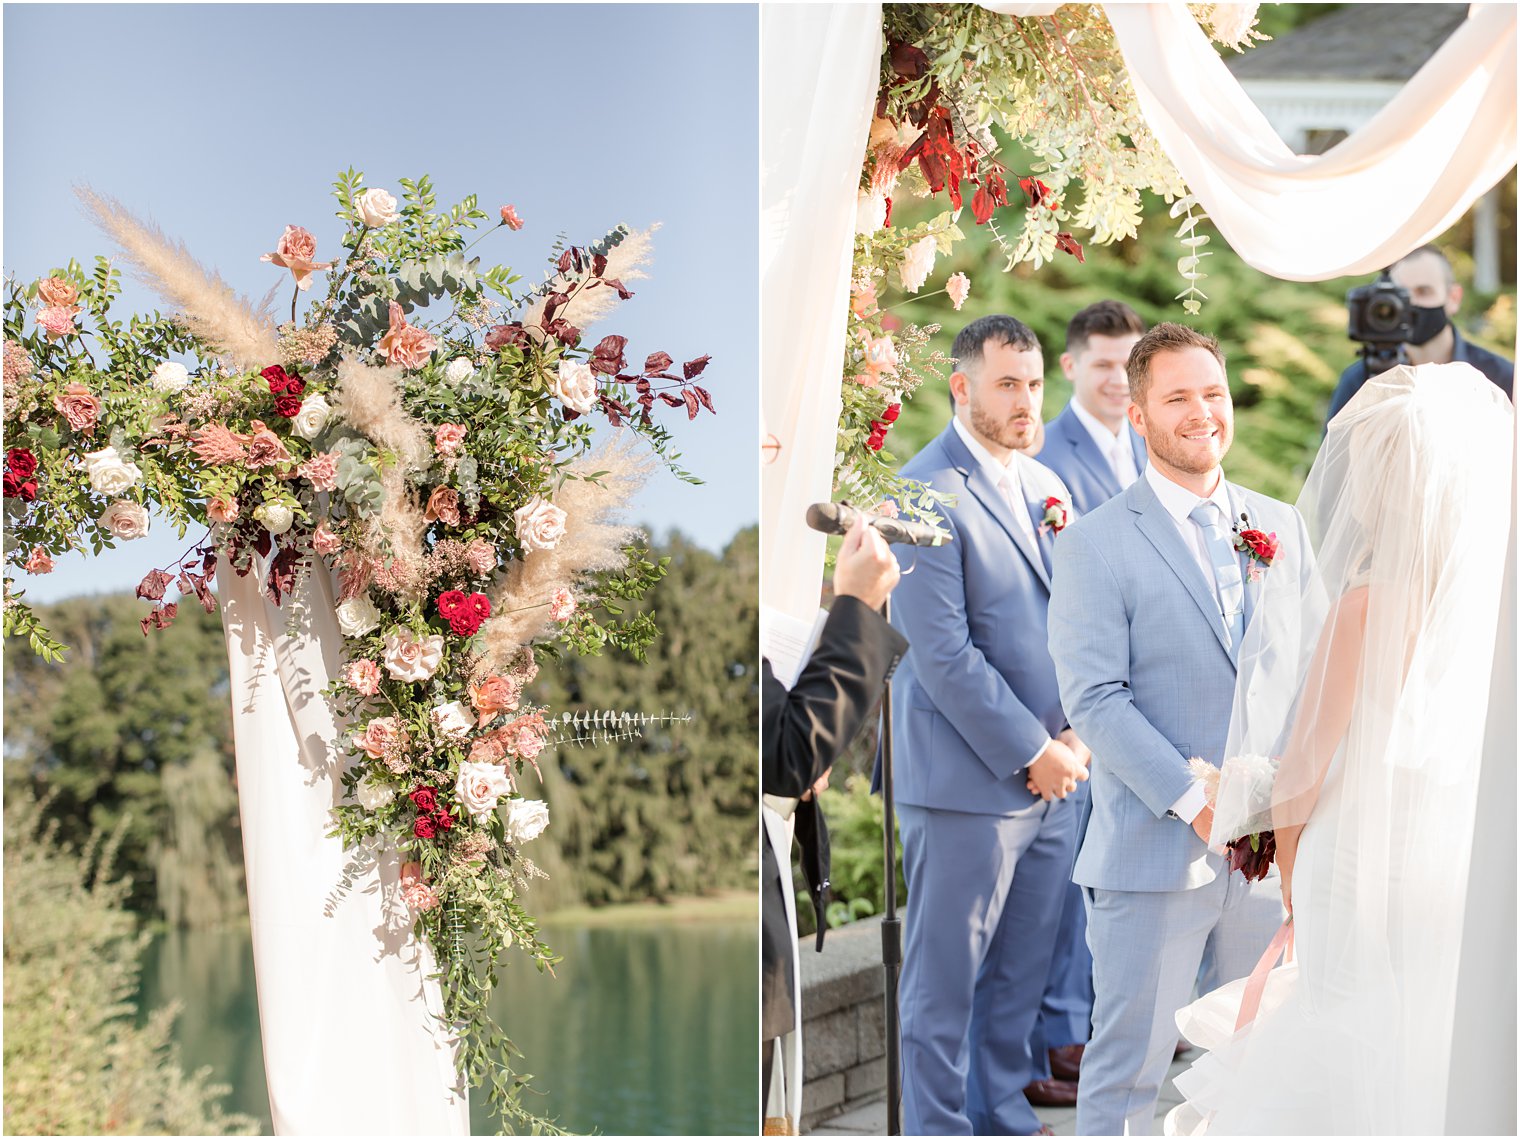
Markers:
{"x": 648, "y": 1028}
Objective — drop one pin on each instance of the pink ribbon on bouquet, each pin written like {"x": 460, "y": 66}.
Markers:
{"x": 1250, "y": 1001}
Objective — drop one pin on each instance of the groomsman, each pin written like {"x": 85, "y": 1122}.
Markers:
{"x": 1151, "y": 604}
{"x": 985, "y": 756}
{"x": 1096, "y": 452}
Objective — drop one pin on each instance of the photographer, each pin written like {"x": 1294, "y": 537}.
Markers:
{"x": 1432, "y": 299}
{"x": 804, "y": 730}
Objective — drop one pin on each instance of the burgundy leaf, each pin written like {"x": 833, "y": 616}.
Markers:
{"x": 263, "y": 543}
{"x": 564, "y": 262}
{"x": 694, "y": 368}
{"x": 580, "y": 264}
{"x": 1066, "y": 243}
{"x": 641, "y": 384}
{"x": 152, "y": 587}
{"x": 692, "y": 404}
{"x": 205, "y": 596}
{"x": 909, "y": 61}
{"x": 186, "y": 583}
{"x": 607, "y": 357}
{"x": 672, "y": 400}
{"x": 208, "y": 563}
{"x": 623, "y": 291}
{"x": 598, "y": 265}
{"x": 282, "y": 574}
{"x": 656, "y": 363}
{"x": 554, "y": 303}
{"x": 705, "y": 398}
{"x": 504, "y": 334}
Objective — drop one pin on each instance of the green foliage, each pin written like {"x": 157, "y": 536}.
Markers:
{"x": 671, "y": 811}
{"x": 133, "y": 732}
{"x": 75, "y": 1063}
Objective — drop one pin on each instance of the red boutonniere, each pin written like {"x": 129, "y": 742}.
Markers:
{"x": 1057, "y": 515}
{"x": 1260, "y": 549}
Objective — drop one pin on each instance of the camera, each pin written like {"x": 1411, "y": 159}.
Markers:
{"x": 1382, "y": 319}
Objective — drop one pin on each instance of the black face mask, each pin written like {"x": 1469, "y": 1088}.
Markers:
{"x": 1428, "y": 323}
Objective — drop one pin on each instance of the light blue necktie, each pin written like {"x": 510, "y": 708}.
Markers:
{"x": 1227, "y": 578}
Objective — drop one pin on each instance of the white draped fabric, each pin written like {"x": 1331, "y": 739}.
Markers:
{"x": 351, "y": 1043}
{"x": 818, "y": 70}
{"x": 1398, "y": 182}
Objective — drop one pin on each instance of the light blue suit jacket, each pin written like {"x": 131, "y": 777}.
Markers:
{"x": 1146, "y": 679}
{"x": 1069, "y": 450}
{"x": 975, "y": 697}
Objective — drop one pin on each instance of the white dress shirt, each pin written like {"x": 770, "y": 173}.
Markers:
{"x": 1116, "y": 447}
{"x": 1006, "y": 477}
{"x": 1179, "y": 502}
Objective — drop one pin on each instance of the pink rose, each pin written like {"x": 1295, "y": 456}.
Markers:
{"x": 381, "y": 735}
{"x": 448, "y": 438}
{"x": 443, "y": 506}
{"x": 125, "y": 520}
{"x": 56, "y": 291}
{"x": 295, "y": 251}
{"x": 863, "y": 298}
{"x": 493, "y": 696}
{"x": 79, "y": 407}
{"x": 414, "y": 891}
{"x": 528, "y": 743}
{"x": 481, "y": 558}
{"x": 39, "y": 562}
{"x": 57, "y": 321}
{"x": 222, "y": 509}
{"x": 363, "y": 676}
{"x": 509, "y": 217}
{"x": 411, "y": 658}
{"x": 404, "y": 344}
{"x": 562, "y": 605}
{"x": 324, "y": 541}
{"x": 486, "y": 750}
{"x": 321, "y": 470}
{"x": 265, "y": 449}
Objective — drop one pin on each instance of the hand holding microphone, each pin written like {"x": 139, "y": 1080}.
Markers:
{"x": 865, "y": 568}
{"x": 838, "y": 517}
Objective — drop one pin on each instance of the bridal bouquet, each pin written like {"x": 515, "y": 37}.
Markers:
{"x": 1240, "y": 792}
{"x": 424, "y": 431}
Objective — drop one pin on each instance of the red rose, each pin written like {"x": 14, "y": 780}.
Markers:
{"x": 464, "y": 623}
{"x": 275, "y": 376}
{"x": 17, "y": 487}
{"x": 480, "y": 605}
{"x": 424, "y": 828}
{"x": 294, "y": 385}
{"x": 288, "y": 406}
{"x": 449, "y": 603}
{"x": 21, "y": 461}
{"x": 892, "y": 412}
{"x": 444, "y": 820}
{"x": 425, "y": 799}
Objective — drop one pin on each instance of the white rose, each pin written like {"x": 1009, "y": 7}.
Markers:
{"x": 410, "y": 658}
{"x": 576, "y": 386}
{"x": 276, "y": 516}
{"x": 480, "y": 787}
{"x": 358, "y": 616}
{"x": 376, "y": 208}
{"x": 452, "y": 720}
{"x": 459, "y": 369}
{"x": 313, "y": 416}
{"x": 526, "y": 820}
{"x": 540, "y": 525}
{"x": 170, "y": 377}
{"x": 373, "y": 796}
{"x": 917, "y": 264}
{"x": 109, "y": 474}
{"x": 870, "y": 212}
{"x": 125, "y": 520}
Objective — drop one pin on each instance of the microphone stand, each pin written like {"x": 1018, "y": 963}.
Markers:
{"x": 891, "y": 924}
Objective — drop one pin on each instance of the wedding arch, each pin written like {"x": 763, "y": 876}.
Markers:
{"x": 835, "y": 83}
{"x": 404, "y": 494}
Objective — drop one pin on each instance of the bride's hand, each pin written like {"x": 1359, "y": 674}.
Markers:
{"x": 1287, "y": 855}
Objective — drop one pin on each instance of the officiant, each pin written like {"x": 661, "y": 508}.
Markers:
{"x": 804, "y": 730}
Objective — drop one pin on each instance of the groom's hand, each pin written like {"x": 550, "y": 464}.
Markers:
{"x": 1083, "y": 753}
{"x": 1056, "y": 773}
{"x": 1203, "y": 823}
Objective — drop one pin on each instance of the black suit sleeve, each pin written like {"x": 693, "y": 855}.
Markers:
{"x": 804, "y": 730}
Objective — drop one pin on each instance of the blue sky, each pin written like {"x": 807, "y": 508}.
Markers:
{"x": 223, "y": 123}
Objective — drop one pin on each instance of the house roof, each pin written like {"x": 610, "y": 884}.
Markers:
{"x": 1356, "y": 43}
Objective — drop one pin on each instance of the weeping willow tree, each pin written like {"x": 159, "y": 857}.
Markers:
{"x": 76, "y": 1063}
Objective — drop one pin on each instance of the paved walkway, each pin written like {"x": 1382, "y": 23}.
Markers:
{"x": 872, "y": 1119}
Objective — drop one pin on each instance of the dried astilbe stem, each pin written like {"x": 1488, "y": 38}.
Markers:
{"x": 205, "y": 304}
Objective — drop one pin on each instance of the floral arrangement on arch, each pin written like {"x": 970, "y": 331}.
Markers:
{"x": 424, "y": 431}
{"x": 956, "y": 81}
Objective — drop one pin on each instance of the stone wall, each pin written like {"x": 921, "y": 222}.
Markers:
{"x": 843, "y": 1023}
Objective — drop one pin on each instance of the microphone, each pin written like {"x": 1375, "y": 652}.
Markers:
{"x": 838, "y": 517}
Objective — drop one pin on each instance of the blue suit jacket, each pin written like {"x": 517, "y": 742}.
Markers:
{"x": 1146, "y": 679}
{"x": 975, "y": 697}
{"x": 1070, "y": 451}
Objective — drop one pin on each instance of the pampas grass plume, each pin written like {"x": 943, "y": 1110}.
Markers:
{"x": 591, "y": 305}
{"x": 369, "y": 399}
{"x": 205, "y": 304}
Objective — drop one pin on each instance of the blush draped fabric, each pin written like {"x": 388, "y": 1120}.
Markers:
{"x": 347, "y": 1013}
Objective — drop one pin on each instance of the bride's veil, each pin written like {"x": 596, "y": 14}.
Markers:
{"x": 1366, "y": 674}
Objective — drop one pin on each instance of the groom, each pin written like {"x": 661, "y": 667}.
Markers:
{"x": 1149, "y": 606}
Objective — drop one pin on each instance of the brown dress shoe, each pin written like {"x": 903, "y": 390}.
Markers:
{"x": 1051, "y": 1093}
{"x": 1066, "y": 1062}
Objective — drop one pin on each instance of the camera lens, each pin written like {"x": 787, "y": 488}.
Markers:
{"x": 1384, "y": 313}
